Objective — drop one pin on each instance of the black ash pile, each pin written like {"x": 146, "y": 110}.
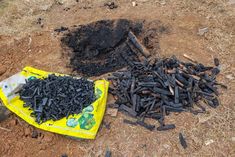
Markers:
{"x": 99, "y": 47}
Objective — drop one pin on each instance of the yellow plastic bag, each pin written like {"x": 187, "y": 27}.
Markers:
{"x": 84, "y": 125}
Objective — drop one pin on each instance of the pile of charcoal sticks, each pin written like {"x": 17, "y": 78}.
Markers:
{"x": 56, "y": 97}
{"x": 154, "y": 88}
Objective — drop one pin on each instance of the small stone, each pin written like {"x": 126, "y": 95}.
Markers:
{"x": 27, "y": 131}
{"x": 166, "y": 146}
{"x": 134, "y": 4}
{"x": 42, "y": 147}
{"x": 111, "y": 5}
{"x": 46, "y": 7}
{"x": 34, "y": 134}
{"x": 202, "y": 31}
{"x": 208, "y": 142}
{"x": 60, "y": 2}
{"x": 2, "y": 70}
{"x": 107, "y": 125}
{"x": 204, "y": 118}
{"x": 223, "y": 67}
{"x": 112, "y": 112}
{"x": 162, "y": 2}
{"x": 4, "y": 113}
{"x": 64, "y": 155}
{"x": 143, "y": 145}
{"x": 229, "y": 76}
{"x": 48, "y": 138}
{"x": 13, "y": 122}
{"x": 233, "y": 139}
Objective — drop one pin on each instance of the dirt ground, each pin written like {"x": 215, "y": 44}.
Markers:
{"x": 24, "y": 41}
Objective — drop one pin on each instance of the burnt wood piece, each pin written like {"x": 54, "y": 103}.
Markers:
{"x": 176, "y": 94}
{"x": 216, "y": 62}
{"x": 145, "y": 125}
{"x": 128, "y": 110}
{"x": 137, "y": 44}
{"x": 182, "y": 141}
{"x": 166, "y": 127}
{"x": 129, "y": 122}
{"x": 155, "y": 88}
{"x": 56, "y": 97}
{"x": 108, "y": 153}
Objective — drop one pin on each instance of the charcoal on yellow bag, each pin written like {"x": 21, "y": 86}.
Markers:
{"x": 83, "y": 125}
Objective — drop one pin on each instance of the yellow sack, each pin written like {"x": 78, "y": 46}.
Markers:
{"x": 84, "y": 125}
